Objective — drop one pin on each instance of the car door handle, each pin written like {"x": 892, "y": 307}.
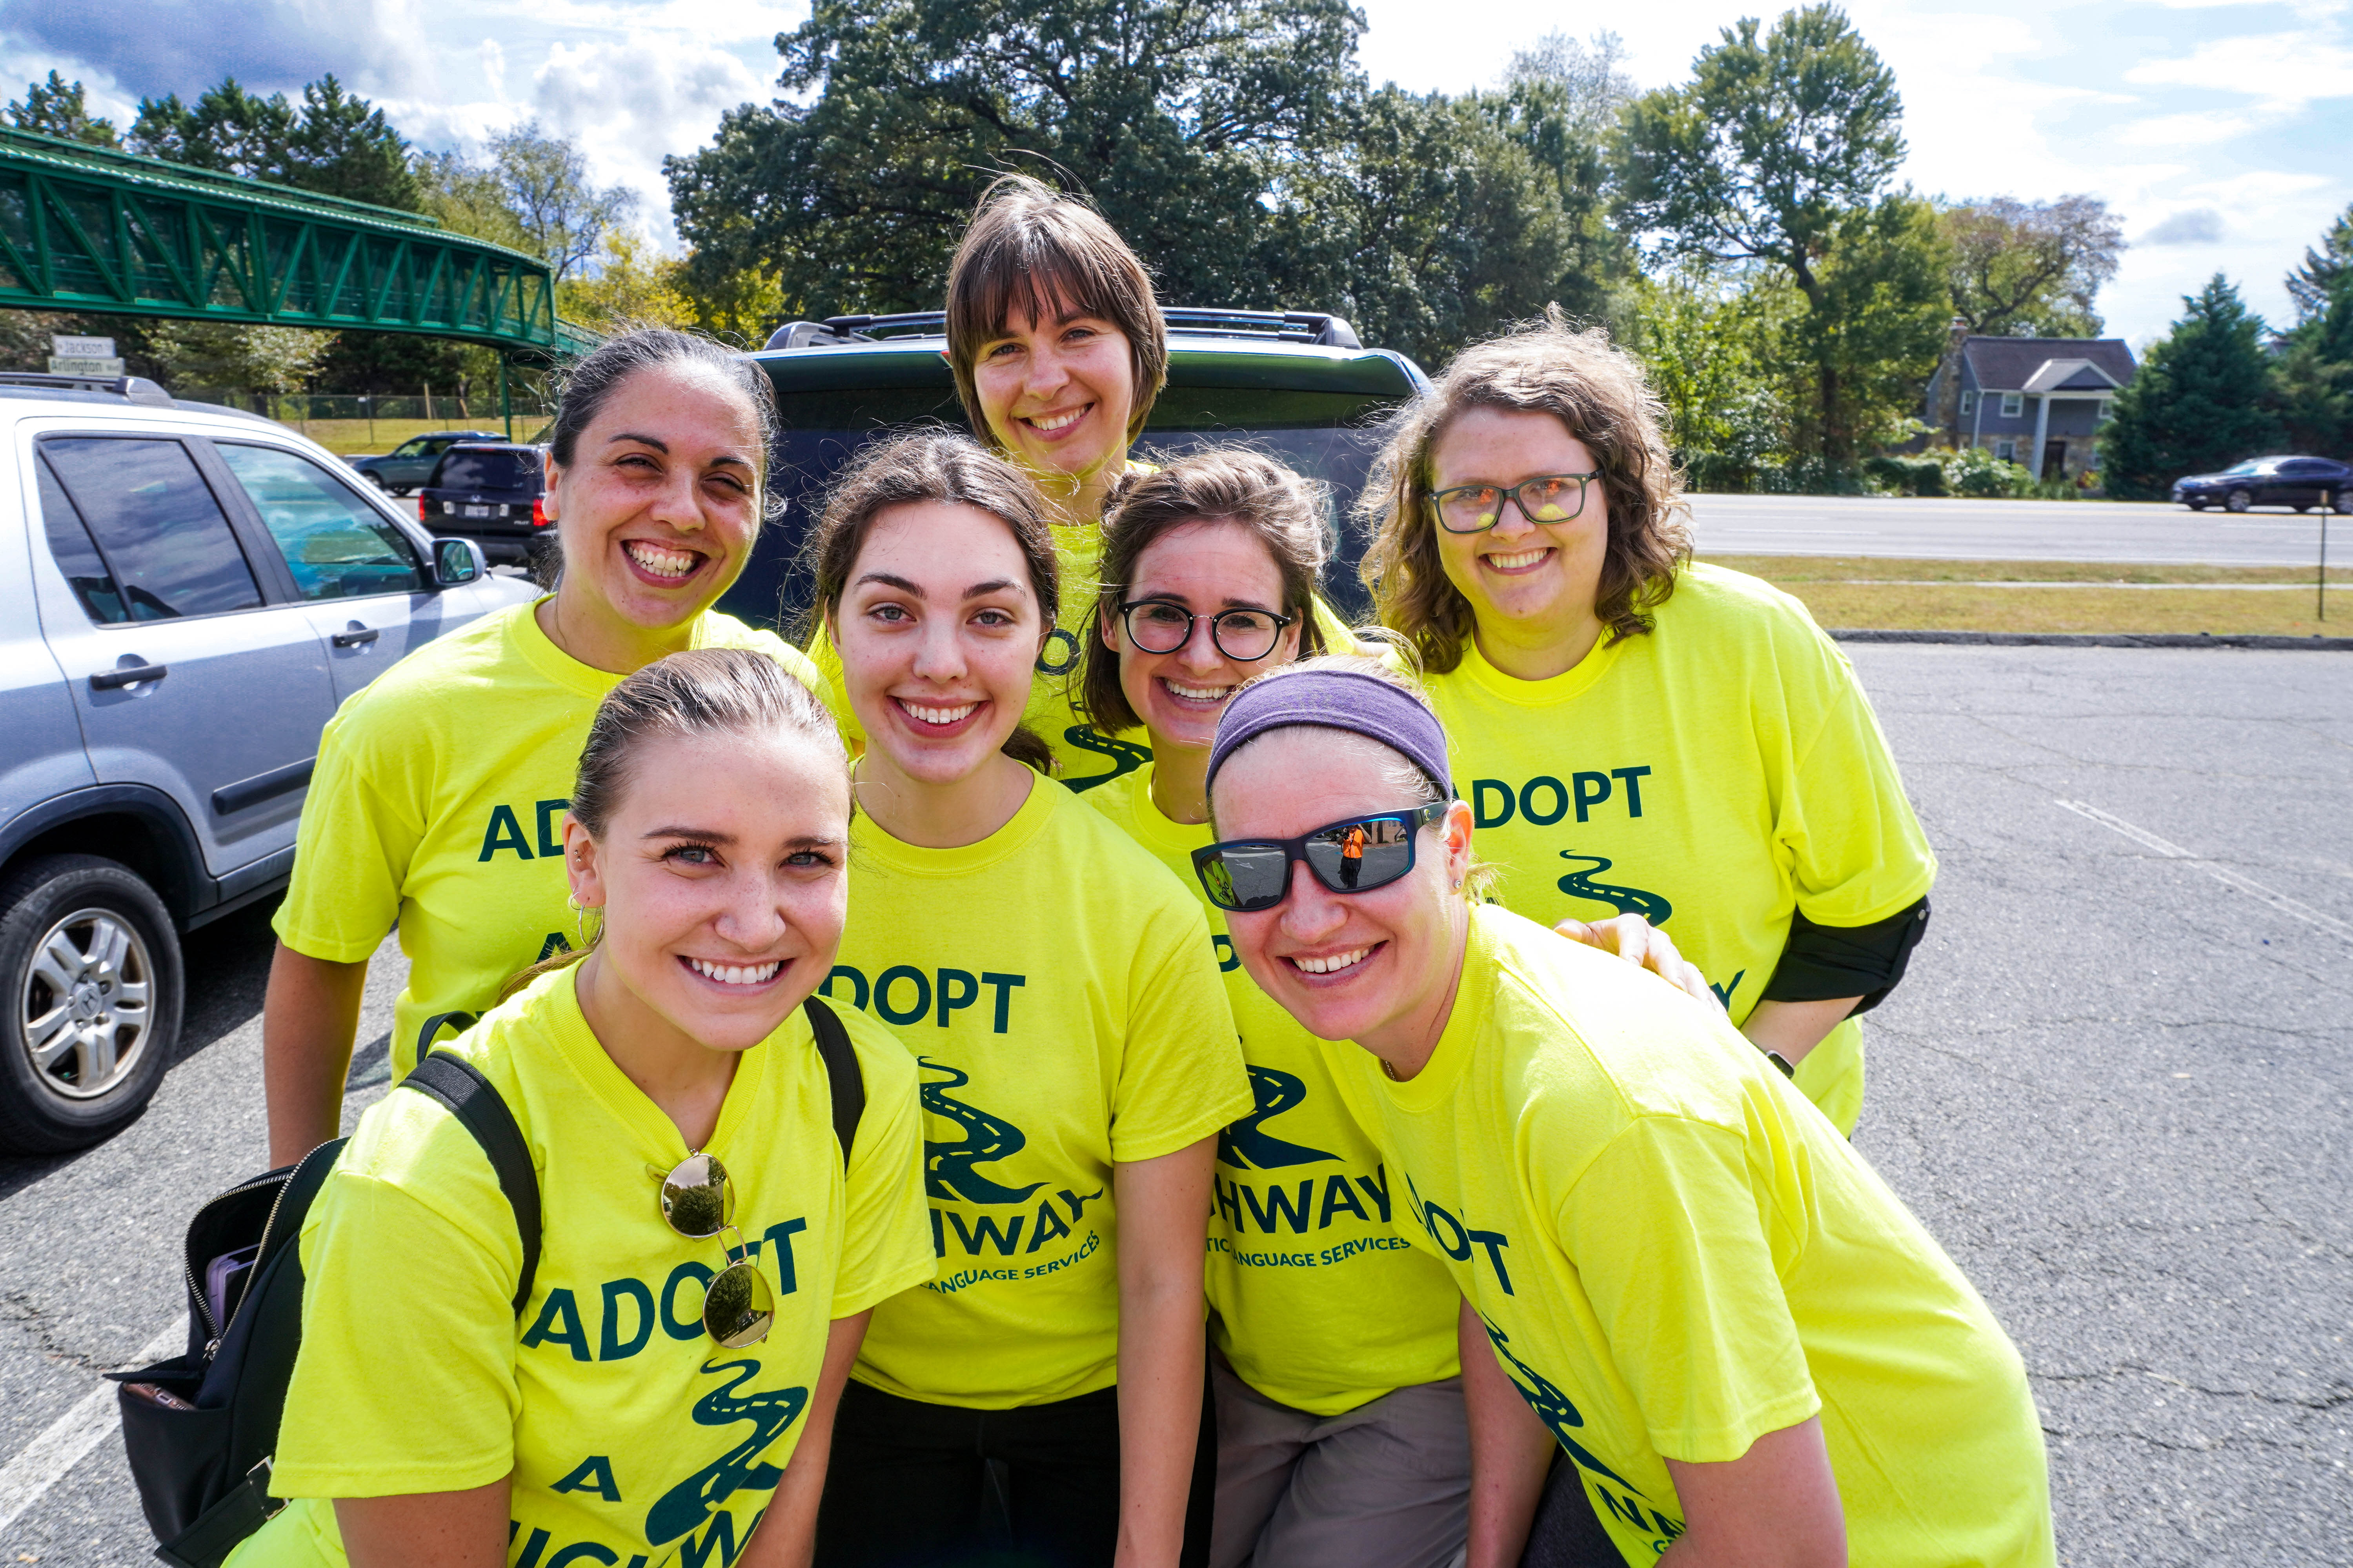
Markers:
{"x": 356, "y": 637}
{"x": 109, "y": 679}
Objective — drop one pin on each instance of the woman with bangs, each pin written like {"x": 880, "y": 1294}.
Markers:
{"x": 1636, "y": 732}
{"x": 1076, "y": 1056}
{"x": 1059, "y": 349}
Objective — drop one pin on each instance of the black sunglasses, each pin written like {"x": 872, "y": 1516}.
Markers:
{"x": 1354, "y": 855}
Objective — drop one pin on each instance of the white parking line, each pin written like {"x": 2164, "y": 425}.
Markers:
{"x": 44, "y": 1461}
{"x": 2220, "y": 873}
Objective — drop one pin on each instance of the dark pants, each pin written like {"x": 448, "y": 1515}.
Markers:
{"x": 913, "y": 1485}
{"x": 1566, "y": 1532}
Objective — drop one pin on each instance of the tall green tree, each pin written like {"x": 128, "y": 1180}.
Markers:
{"x": 2031, "y": 268}
{"x": 1167, "y": 112}
{"x": 1781, "y": 150}
{"x": 2312, "y": 285}
{"x": 1707, "y": 334}
{"x": 545, "y": 183}
{"x": 2200, "y": 400}
{"x": 334, "y": 143}
{"x": 2312, "y": 375}
{"x": 58, "y": 108}
{"x": 1432, "y": 227}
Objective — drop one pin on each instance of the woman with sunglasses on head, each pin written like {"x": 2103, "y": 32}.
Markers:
{"x": 1059, "y": 350}
{"x": 1636, "y": 730}
{"x": 1076, "y": 1051}
{"x": 709, "y": 1248}
{"x": 437, "y": 802}
{"x": 1685, "y": 1297}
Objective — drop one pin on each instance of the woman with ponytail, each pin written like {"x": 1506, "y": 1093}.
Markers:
{"x": 664, "y": 1384}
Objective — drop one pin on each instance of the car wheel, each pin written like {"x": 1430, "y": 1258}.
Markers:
{"x": 2239, "y": 500}
{"x": 2339, "y": 503}
{"x": 377, "y": 479}
{"x": 2303, "y": 506}
{"x": 89, "y": 972}
{"x": 2197, "y": 506}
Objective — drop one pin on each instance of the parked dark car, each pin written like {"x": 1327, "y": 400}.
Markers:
{"x": 407, "y": 466}
{"x": 2300, "y": 482}
{"x": 489, "y": 492}
{"x": 1298, "y": 386}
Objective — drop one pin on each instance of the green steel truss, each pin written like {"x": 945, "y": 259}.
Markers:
{"x": 91, "y": 230}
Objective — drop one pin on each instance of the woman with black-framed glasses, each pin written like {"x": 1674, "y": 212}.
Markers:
{"x": 1341, "y": 1433}
{"x": 1639, "y": 732}
{"x": 1694, "y": 1320}
{"x": 713, "y": 1236}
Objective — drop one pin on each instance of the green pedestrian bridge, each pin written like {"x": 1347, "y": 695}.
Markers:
{"x": 90, "y": 230}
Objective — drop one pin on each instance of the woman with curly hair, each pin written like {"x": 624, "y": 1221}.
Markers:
{"x": 1635, "y": 732}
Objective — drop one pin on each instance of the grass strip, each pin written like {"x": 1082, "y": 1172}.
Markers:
{"x": 1950, "y": 595}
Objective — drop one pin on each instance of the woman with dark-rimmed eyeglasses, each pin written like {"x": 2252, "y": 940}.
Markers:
{"x": 710, "y": 1252}
{"x": 1340, "y": 1430}
{"x": 1638, "y": 733}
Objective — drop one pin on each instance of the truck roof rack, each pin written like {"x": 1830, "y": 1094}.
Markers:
{"x": 131, "y": 388}
{"x": 1316, "y": 327}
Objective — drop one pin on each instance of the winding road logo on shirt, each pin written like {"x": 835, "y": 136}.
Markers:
{"x": 948, "y": 1167}
{"x": 1553, "y": 1407}
{"x": 772, "y": 1414}
{"x": 1246, "y": 1146}
{"x": 1641, "y": 901}
{"x": 1125, "y": 755}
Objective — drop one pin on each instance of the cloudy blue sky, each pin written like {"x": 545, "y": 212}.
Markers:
{"x": 2220, "y": 130}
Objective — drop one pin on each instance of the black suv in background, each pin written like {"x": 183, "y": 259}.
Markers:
{"x": 1296, "y": 386}
{"x": 487, "y": 491}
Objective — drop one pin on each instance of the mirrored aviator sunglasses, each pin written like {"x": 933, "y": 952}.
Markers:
{"x": 698, "y": 1202}
{"x": 1354, "y": 855}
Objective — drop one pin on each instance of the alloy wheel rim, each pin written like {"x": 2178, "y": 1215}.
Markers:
{"x": 87, "y": 1004}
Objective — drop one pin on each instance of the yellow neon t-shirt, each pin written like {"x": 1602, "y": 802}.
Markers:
{"x": 1059, "y": 995}
{"x": 1321, "y": 1304}
{"x": 1713, "y": 776}
{"x": 1085, "y": 757}
{"x": 440, "y": 801}
{"x": 1675, "y": 1253}
{"x": 631, "y": 1437}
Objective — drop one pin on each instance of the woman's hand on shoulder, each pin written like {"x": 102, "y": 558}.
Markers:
{"x": 1645, "y": 946}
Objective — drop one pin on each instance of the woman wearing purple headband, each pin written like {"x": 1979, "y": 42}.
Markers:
{"x": 1684, "y": 1294}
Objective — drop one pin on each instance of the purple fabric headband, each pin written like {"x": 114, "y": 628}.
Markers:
{"x": 1336, "y": 700}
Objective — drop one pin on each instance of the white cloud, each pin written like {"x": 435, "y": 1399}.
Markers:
{"x": 629, "y": 100}
{"x": 2283, "y": 69}
{"x": 2199, "y": 226}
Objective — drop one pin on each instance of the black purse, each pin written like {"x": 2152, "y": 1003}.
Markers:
{"x": 201, "y": 1428}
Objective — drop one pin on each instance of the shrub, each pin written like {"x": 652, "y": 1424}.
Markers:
{"x": 1976, "y": 471}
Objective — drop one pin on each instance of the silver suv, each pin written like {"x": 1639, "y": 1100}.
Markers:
{"x": 187, "y": 593}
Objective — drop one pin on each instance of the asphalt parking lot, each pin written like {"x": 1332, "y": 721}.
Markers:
{"x": 2117, "y": 1086}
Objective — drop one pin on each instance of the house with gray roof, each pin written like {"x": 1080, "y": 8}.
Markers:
{"x": 2037, "y": 402}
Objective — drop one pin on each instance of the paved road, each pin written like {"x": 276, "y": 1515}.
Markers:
{"x": 2117, "y": 1087}
{"x": 1938, "y": 530}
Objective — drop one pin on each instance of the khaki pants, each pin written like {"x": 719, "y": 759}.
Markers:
{"x": 1387, "y": 1485}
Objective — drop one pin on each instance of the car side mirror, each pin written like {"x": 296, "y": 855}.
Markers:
{"x": 457, "y": 561}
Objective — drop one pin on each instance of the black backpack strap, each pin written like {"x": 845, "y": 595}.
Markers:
{"x": 841, "y": 1073}
{"x": 476, "y": 1102}
{"x": 434, "y": 1026}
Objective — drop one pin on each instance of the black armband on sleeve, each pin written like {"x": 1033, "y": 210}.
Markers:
{"x": 1822, "y": 962}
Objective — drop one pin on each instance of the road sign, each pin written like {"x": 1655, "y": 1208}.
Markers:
{"x": 60, "y": 365}
{"x": 82, "y": 348}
